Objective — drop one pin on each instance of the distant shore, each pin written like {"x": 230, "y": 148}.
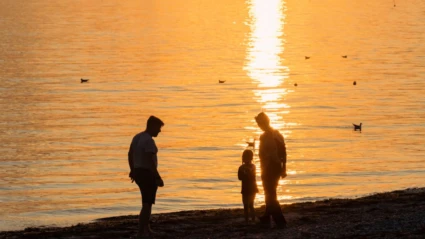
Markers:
{"x": 396, "y": 214}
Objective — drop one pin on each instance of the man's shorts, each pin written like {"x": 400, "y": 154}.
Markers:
{"x": 147, "y": 185}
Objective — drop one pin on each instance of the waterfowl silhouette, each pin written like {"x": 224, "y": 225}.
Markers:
{"x": 251, "y": 144}
{"x": 345, "y": 56}
{"x": 84, "y": 80}
{"x": 221, "y": 81}
{"x": 295, "y": 84}
{"x": 354, "y": 83}
{"x": 358, "y": 127}
{"x": 307, "y": 57}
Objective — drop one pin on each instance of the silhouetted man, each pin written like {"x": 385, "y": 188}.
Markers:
{"x": 272, "y": 155}
{"x": 143, "y": 161}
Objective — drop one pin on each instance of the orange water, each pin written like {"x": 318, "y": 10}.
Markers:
{"x": 64, "y": 144}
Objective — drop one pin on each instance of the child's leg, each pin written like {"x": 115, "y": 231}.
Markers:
{"x": 252, "y": 212}
{"x": 245, "y": 201}
{"x": 251, "y": 207}
{"x": 246, "y": 212}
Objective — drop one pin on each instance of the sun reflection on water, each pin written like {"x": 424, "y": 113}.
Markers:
{"x": 264, "y": 63}
{"x": 265, "y": 66}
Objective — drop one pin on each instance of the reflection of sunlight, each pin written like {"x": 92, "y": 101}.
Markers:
{"x": 264, "y": 64}
{"x": 284, "y": 182}
{"x": 282, "y": 197}
{"x": 269, "y": 94}
{"x": 260, "y": 199}
{"x": 291, "y": 172}
{"x": 265, "y": 67}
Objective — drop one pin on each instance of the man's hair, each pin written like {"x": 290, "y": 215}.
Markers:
{"x": 154, "y": 121}
{"x": 262, "y": 118}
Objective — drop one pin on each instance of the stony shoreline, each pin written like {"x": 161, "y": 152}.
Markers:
{"x": 396, "y": 214}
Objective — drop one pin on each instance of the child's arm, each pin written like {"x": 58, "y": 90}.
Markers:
{"x": 241, "y": 173}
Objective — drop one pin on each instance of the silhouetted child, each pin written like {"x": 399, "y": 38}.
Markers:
{"x": 246, "y": 174}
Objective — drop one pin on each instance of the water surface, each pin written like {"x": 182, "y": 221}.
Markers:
{"x": 64, "y": 144}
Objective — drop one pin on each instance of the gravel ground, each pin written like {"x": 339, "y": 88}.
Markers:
{"x": 397, "y": 214}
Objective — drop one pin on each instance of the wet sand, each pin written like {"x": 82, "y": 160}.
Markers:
{"x": 397, "y": 214}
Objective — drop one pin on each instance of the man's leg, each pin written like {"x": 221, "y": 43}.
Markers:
{"x": 275, "y": 209}
{"x": 144, "y": 218}
{"x": 267, "y": 186}
{"x": 272, "y": 195}
{"x": 148, "y": 192}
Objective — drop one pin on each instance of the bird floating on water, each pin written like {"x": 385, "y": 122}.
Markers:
{"x": 295, "y": 84}
{"x": 251, "y": 144}
{"x": 358, "y": 127}
{"x": 306, "y": 57}
{"x": 84, "y": 80}
{"x": 345, "y": 56}
{"x": 354, "y": 83}
{"x": 221, "y": 81}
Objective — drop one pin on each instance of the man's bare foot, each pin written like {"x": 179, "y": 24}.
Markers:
{"x": 143, "y": 236}
{"x": 150, "y": 231}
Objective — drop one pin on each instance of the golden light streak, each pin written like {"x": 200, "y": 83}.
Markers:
{"x": 264, "y": 64}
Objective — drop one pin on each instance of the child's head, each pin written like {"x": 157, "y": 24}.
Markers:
{"x": 247, "y": 156}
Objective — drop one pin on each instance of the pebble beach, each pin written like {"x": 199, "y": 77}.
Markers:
{"x": 395, "y": 214}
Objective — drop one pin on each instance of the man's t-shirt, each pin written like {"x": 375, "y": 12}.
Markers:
{"x": 269, "y": 151}
{"x": 143, "y": 142}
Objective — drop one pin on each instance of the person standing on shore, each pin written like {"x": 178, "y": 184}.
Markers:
{"x": 143, "y": 162}
{"x": 246, "y": 174}
{"x": 272, "y": 155}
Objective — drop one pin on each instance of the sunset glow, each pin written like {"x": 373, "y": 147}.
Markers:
{"x": 207, "y": 69}
{"x": 264, "y": 64}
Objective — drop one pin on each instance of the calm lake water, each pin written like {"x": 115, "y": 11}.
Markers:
{"x": 64, "y": 144}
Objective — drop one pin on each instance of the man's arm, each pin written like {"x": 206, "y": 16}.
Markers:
{"x": 149, "y": 156}
{"x": 283, "y": 173}
{"x": 130, "y": 159}
{"x": 130, "y": 162}
{"x": 283, "y": 158}
{"x": 282, "y": 153}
